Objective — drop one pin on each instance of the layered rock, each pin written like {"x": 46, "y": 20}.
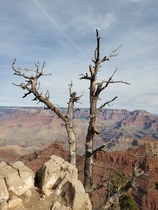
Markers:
{"x": 32, "y": 129}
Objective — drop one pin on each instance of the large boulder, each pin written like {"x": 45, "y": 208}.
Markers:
{"x": 18, "y": 178}
{"x": 62, "y": 177}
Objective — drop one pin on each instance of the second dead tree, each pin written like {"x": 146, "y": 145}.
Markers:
{"x": 95, "y": 89}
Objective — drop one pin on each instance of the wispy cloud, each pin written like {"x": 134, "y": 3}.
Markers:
{"x": 89, "y": 22}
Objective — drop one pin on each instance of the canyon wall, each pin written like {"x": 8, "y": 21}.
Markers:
{"x": 25, "y": 130}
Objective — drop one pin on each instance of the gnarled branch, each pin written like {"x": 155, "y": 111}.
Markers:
{"x": 102, "y": 147}
{"x": 137, "y": 172}
{"x": 32, "y": 86}
{"x": 107, "y": 103}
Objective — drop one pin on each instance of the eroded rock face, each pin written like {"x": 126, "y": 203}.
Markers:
{"x": 62, "y": 177}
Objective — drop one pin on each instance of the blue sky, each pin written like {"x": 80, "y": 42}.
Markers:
{"x": 62, "y": 33}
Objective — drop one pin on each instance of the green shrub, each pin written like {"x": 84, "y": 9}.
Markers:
{"x": 156, "y": 186}
{"x": 127, "y": 202}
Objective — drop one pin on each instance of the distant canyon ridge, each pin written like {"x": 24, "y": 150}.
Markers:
{"x": 24, "y": 130}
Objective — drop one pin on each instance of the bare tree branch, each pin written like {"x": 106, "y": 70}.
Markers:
{"x": 97, "y": 51}
{"x": 113, "y": 54}
{"x": 85, "y": 76}
{"x": 102, "y": 147}
{"x": 109, "y": 183}
{"x": 38, "y": 73}
{"x": 103, "y": 183}
{"x": 107, "y": 103}
{"x": 100, "y": 86}
{"x": 107, "y": 83}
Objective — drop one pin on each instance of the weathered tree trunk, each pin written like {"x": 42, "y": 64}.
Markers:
{"x": 70, "y": 130}
{"x": 92, "y": 130}
{"x": 88, "y": 178}
{"x": 68, "y": 119}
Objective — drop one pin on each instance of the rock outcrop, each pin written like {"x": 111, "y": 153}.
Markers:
{"x": 15, "y": 180}
{"x": 57, "y": 187}
{"x": 62, "y": 177}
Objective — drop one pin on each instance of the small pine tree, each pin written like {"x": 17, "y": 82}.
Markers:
{"x": 118, "y": 180}
{"x": 127, "y": 202}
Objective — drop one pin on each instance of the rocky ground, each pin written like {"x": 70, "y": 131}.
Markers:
{"x": 36, "y": 201}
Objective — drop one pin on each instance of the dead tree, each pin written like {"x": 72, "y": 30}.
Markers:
{"x": 113, "y": 198}
{"x": 95, "y": 90}
{"x": 32, "y": 85}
